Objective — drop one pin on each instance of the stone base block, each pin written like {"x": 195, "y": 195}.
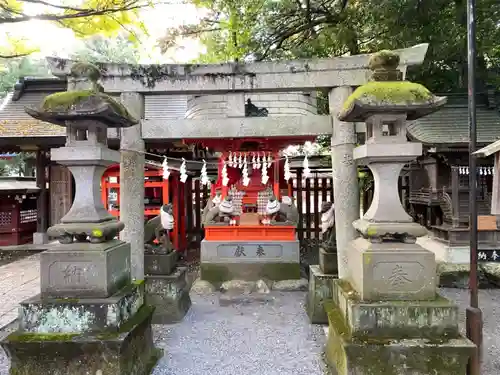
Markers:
{"x": 348, "y": 355}
{"x": 249, "y": 260}
{"x": 320, "y": 290}
{"x": 250, "y": 252}
{"x": 170, "y": 296}
{"x": 40, "y": 238}
{"x": 127, "y": 352}
{"x": 328, "y": 262}
{"x": 395, "y": 319}
{"x": 160, "y": 264}
{"x": 391, "y": 271}
{"x": 49, "y": 315}
{"x": 85, "y": 270}
{"x": 217, "y": 273}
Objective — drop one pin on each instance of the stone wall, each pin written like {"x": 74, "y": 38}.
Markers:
{"x": 285, "y": 104}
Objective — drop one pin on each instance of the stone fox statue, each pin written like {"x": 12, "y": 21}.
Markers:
{"x": 221, "y": 214}
{"x": 157, "y": 229}
{"x": 282, "y": 213}
{"x": 214, "y": 202}
{"x": 290, "y": 210}
{"x": 328, "y": 226}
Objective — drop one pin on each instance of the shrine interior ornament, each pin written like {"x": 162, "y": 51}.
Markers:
{"x": 204, "y": 175}
{"x": 240, "y": 162}
{"x": 305, "y": 165}
{"x": 183, "y": 171}
{"x": 254, "y": 162}
{"x": 265, "y": 177}
{"x": 244, "y": 173}
{"x": 225, "y": 178}
{"x": 166, "y": 171}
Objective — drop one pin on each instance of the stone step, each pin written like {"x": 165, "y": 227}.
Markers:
{"x": 80, "y": 315}
{"x": 394, "y": 319}
{"x": 170, "y": 296}
{"x": 348, "y": 354}
{"x": 160, "y": 264}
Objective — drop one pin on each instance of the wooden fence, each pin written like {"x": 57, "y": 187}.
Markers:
{"x": 308, "y": 193}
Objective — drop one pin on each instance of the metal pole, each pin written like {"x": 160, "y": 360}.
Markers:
{"x": 473, "y": 313}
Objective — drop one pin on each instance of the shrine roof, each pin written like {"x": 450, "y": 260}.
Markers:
{"x": 15, "y": 122}
{"x": 25, "y": 184}
{"x": 450, "y": 125}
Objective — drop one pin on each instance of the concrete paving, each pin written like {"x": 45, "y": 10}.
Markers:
{"x": 270, "y": 337}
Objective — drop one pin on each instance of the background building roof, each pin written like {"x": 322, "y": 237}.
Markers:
{"x": 450, "y": 125}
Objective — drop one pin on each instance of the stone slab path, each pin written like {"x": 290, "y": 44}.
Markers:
{"x": 267, "y": 337}
{"x": 19, "y": 280}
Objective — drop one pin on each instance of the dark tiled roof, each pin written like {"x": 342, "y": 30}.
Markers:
{"x": 450, "y": 125}
{"x": 15, "y": 122}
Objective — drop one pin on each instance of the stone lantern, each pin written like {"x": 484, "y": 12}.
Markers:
{"x": 386, "y": 316}
{"x": 90, "y": 317}
{"x": 388, "y": 233}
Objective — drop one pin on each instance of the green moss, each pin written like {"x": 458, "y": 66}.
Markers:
{"x": 347, "y": 289}
{"x": 395, "y": 92}
{"x": 63, "y": 101}
{"x": 281, "y": 271}
{"x": 36, "y": 337}
{"x": 138, "y": 282}
{"x": 384, "y": 59}
{"x": 85, "y": 69}
{"x": 214, "y": 273}
{"x": 144, "y": 312}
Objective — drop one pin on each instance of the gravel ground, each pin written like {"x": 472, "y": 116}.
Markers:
{"x": 273, "y": 338}
{"x": 261, "y": 338}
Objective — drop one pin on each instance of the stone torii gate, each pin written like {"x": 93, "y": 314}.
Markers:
{"x": 338, "y": 75}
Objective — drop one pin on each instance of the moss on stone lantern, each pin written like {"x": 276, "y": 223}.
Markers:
{"x": 388, "y": 93}
{"x": 86, "y": 100}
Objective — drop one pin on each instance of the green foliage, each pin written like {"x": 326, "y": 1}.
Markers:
{"x": 20, "y": 67}
{"x": 101, "y": 49}
{"x": 84, "y": 17}
{"x": 286, "y": 29}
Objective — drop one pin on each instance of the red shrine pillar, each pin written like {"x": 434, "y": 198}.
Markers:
{"x": 276, "y": 179}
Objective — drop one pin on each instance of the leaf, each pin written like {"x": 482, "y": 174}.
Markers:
{"x": 16, "y": 47}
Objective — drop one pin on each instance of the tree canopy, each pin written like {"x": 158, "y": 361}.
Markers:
{"x": 286, "y": 29}
{"x": 84, "y": 17}
{"x": 98, "y": 48}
